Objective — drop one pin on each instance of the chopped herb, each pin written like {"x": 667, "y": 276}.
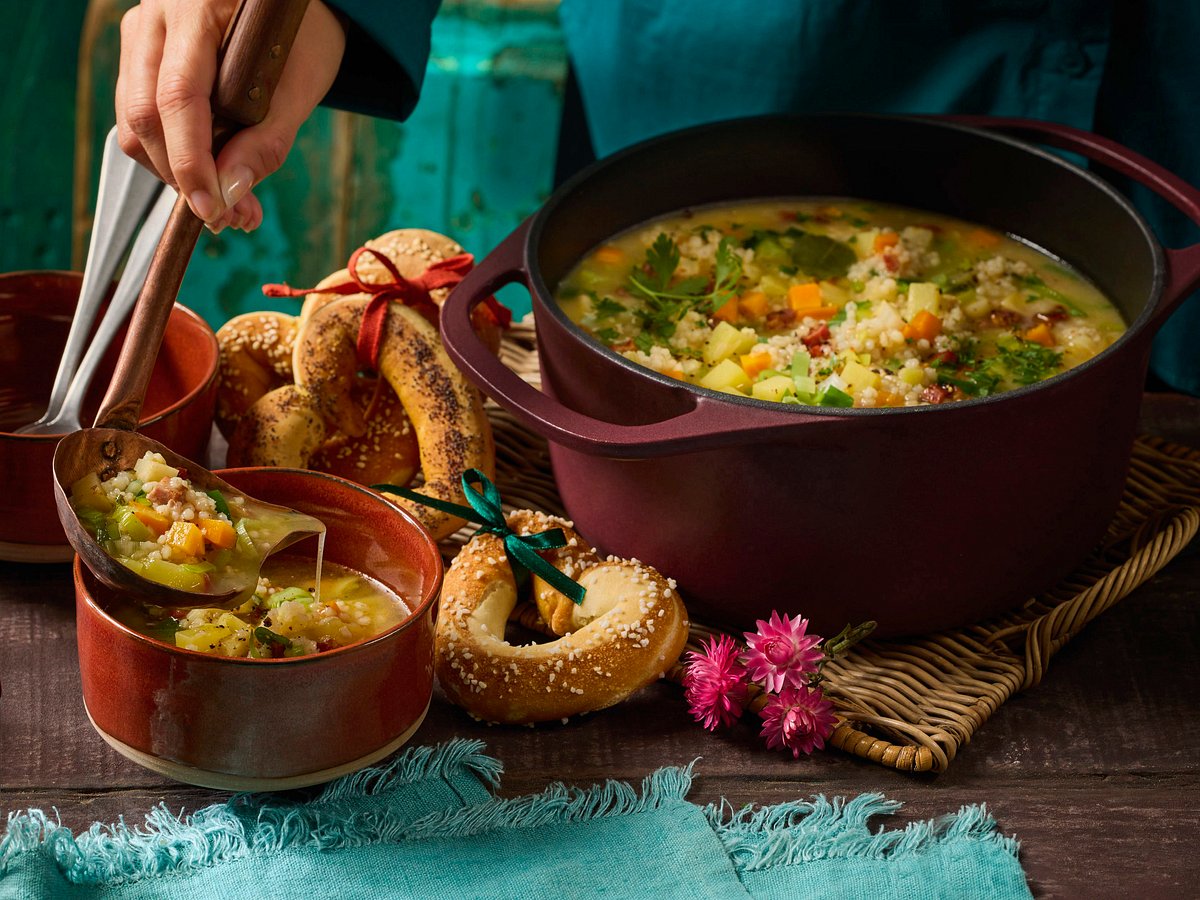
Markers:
{"x": 819, "y": 255}
{"x": 219, "y": 499}
{"x": 664, "y": 303}
{"x": 1044, "y": 291}
{"x": 608, "y": 335}
{"x": 1026, "y": 362}
{"x": 607, "y": 307}
{"x": 643, "y": 341}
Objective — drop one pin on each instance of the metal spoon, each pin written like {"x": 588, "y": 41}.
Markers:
{"x": 67, "y": 416}
{"x": 125, "y": 192}
{"x": 255, "y": 50}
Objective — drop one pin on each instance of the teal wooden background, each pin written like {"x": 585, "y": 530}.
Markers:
{"x": 475, "y": 158}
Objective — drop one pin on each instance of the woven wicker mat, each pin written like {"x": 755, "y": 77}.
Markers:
{"x": 911, "y": 703}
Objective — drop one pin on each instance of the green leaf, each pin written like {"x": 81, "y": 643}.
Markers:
{"x": 219, "y": 500}
{"x": 607, "y": 307}
{"x": 266, "y": 636}
{"x": 662, "y": 258}
{"x": 1027, "y": 362}
{"x": 819, "y": 255}
{"x": 643, "y": 341}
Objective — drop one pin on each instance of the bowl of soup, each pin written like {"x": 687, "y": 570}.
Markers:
{"x": 848, "y": 367}
{"x": 35, "y": 316}
{"x": 310, "y": 675}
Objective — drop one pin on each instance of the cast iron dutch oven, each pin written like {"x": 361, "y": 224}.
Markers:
{"x": 920, "y": 518}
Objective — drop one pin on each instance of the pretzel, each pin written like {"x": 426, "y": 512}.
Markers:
{"x": 256, "y": 358}
{"x": 289, "y": 425}
{"x": 630, "y": 628}
{"x": 292, "y": 395}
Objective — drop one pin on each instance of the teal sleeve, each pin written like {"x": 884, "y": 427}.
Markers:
{"x": 387, "y": 47}
{"x": 1148, "y": 102}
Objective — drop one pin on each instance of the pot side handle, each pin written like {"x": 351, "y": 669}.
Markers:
{"x": 708, "y": 424}
{"x": 1183, "y": 266}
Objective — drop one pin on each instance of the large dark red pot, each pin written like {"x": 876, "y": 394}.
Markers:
{"x": 921, "y": 518}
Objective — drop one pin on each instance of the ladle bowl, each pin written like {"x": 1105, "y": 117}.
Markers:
{"x": 107, "y": 451}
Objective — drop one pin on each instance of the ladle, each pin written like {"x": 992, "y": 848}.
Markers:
{"x": 255, "y": 49}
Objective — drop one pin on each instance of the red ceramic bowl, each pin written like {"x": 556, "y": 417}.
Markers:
{"x": 271, "y": 724}
{"x": 35, "y": 315}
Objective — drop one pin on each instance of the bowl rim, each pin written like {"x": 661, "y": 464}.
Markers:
{"x": 210, "y": 339}
{"x": 417, "y": 612}
{"x": 544, "y": 302}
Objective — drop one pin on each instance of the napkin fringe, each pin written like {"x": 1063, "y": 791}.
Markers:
{"x": 801, "y": 831}
{"x": 556, "y": 805}
{"x": 247, "y": 824}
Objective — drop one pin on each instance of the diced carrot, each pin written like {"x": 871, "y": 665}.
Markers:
{"x": 753, "y": 363}
{"x": 923, "y": 325}
{"x": 981, "y": 237}
{"x": 610, "y": 255}
{"x": 1040, "y": 334}
{"x": 727, "y": 311}
{"x": 821, "y": 312}
{"x": 754, "y": 304}
{"x": 155, "y": 521}
{"x": 219, "y": 533}
{"x": 187, "y": 538}
{"x": 886, "y": 239}
{"x": 803, "y": 297}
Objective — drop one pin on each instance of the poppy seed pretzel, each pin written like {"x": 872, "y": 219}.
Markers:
{"x": 631, "y": 628}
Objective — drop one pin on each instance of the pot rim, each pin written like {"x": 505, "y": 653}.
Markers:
{"x": 415, "y": 615}
{"x": 543, "y": 297}
{"x": 190, "y": 397}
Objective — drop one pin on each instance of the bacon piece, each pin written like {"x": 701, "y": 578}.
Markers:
{"x": 936, "y": 393}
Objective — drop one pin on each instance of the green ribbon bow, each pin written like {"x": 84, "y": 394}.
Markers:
{"x": 486, "y": 511}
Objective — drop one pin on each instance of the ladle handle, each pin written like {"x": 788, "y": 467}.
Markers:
{"x": 256, "y": 46}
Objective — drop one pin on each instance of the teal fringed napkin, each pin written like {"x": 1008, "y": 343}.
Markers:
{"x": 429, "y": 826}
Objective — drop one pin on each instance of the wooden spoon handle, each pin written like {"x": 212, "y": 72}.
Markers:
{"x": 256, "y": 47}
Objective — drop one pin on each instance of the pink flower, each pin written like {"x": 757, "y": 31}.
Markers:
{"x": 781, "y": 654}
{"x": 798, "y": 718}
{"x": 715, "y": 683}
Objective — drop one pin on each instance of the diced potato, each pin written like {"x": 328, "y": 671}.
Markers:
{"x": 725, "y": 341}
{"x": 913, "y": 375}
{"x": 864, "y": 242}
{"x": 857, "y": 377}
{"x": 88, "y": 493}
{"x": 832, "y": 295}
{"x": 218, "y": 532}
{"x": 149, "y": 469}
{"x": 773, "y": 388}
{"x": 923, "y": 295}
{"x": 152, "y": 519}
{"x": 186, "y": 538}
{"x": 228, "y": 634}
{"x": 774, "y": 285}
{"x": 725, "y": 374}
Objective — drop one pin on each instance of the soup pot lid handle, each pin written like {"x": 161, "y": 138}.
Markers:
{"x": 708, "y": 424}
{"x": 1183, "y": 266}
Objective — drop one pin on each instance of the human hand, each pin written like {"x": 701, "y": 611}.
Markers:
{"x": 164, "y": 116}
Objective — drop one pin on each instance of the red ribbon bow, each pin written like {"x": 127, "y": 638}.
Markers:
{"x": 414, "y": 292}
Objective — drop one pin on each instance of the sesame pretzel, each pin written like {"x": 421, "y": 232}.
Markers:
{"x": 630, "y": 628}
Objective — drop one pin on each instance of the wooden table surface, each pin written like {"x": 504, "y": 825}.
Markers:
{"x": 1095, "y": 770}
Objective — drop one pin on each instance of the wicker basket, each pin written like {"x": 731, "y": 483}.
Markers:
{"x": 911, "y": 703}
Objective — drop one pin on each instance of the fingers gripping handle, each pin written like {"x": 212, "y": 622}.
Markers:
{"x": 256, "y": 47}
